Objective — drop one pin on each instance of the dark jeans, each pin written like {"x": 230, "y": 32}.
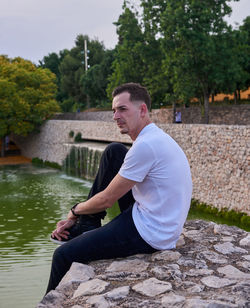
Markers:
{"x": 119, "y": 238}
{"x": 111, "y": 161}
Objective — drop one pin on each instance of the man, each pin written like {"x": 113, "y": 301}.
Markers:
{"x": 157, "y": 171}
{"x": 178, "y": 117}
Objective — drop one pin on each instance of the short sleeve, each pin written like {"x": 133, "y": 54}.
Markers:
{"x": 137, "y": 162}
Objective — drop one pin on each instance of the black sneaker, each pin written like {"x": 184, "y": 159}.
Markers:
{"x": 84, "y": 224}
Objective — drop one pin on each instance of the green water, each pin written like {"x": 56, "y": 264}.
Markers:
{"x": 32, "y": 200}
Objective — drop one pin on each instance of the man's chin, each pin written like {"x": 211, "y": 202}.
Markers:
{"x": 123, "y": 131}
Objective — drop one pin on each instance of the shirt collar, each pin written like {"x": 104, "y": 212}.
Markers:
{"x": 146, "y": 129}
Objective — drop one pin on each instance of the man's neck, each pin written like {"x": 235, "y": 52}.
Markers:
{"x": 147, "y": 122}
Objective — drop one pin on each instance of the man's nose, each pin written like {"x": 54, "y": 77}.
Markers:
{"x": 116, "y": 115}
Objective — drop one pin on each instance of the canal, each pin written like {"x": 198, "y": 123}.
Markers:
{"x": 32, "y": 200}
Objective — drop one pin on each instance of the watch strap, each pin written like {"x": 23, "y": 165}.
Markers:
{"x": 73, "y": 210}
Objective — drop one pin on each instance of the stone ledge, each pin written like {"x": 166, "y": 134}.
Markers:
{"x": 210, "y": 268}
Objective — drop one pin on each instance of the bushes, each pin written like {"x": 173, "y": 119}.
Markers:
{"x": 229, "y": 217}
{"x": 71, "y": 134}
{"x": 78, "y": 137}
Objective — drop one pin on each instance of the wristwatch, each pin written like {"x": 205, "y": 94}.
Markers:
{"x": 73, "y": 210}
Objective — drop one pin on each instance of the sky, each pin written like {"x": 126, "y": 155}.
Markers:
{"x": 32, "y": 29}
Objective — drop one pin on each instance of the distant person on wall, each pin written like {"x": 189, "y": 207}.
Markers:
{"x": 178, "y": 117}
{"x": 7, "y": 141}
{"x": 151, "y": 181}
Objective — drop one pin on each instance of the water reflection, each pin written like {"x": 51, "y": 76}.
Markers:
{"x": 32, "y": 200}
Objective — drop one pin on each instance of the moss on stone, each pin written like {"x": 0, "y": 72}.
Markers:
{"x": 223, "y": 216}
{"x": 39, "y": 162}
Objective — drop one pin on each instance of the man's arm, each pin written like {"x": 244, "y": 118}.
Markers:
{"x": 118, "y": 187}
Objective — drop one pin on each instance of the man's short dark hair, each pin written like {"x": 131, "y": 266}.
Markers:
{"x": 136, "y": 91}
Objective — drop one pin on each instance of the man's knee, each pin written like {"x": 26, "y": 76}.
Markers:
{"x": 115, "y": 149}
{"x": 59, "y": 254}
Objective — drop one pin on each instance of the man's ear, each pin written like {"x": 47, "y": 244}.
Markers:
{"x": 144, "y": 109}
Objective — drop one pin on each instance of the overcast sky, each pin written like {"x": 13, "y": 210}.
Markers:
{"x": 32, "y": 29}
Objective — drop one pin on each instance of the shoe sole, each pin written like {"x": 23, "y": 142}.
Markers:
{"x": 57, "y": 241}
{"x": 63, "y": 242}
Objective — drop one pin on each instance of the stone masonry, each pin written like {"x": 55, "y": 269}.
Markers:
{"x": 229, "y": 114}
{"x": 210, "y": 268}
{"x": 219, "y": 155}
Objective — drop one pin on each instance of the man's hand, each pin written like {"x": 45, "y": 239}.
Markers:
{"x": 60, "y": 232}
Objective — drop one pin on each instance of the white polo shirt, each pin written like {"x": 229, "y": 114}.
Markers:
{"x": 163, "y": 189}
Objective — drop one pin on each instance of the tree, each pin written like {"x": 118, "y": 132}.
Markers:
{"x": 96, "y": 79}
{"x": 237, "y": 51}
{"x": 72, "y": 70}
{"x": 194, "y": 40}
{"x": 244, "y": 51}
{"x": 128, "y": 65}
{"x": 27, "y": 97}
{"x": 52, "y": 61}
{"x": 154, "y": 75}
{"x": 79, "y": 88}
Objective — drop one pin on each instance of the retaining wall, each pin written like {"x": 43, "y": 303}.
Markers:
{"x": 219, "y": 155}
{"x": 229, "y": 115}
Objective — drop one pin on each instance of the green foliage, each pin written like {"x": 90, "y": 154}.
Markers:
{"x": 95, "y": 81}
{"x": 244, "y": 51}
{"x": 245, "y": 222}
{"x": 68, "y": 105}
{"x": 72, "y": 70}
{"x": 39, "y": 162}
{"x": 27, "y": 96}
{"x": 78, "y": 88}
{"x": 154, "y": 78}
{"x": 128, "y": 65}
{"x": 52, "y": 62}
{"x": 197, "y": 44}
{"x": 78, "y": 137}
{"x": 71, "y": 134}
{"x": 178, "y": 49}
{"x": 209, "y": 212}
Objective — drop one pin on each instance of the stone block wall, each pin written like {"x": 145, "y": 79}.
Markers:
{"x": 219, "y": 115}
{"x": 229, "y": 115}
{"x": 86, "y": 116}
{"x": 219, "y": 155}
{"x": 51, "y": 143}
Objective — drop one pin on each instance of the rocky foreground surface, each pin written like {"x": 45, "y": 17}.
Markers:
{"x": 209, "y": 268}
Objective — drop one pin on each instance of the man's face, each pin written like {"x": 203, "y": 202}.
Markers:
{"x": 127, "y": 115}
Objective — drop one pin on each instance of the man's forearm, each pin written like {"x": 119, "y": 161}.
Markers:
{"x": 117, "y": 188}
{"x": 96, "y": 204}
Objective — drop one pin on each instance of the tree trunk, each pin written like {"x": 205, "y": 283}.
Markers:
{"x": 88, "y": 102}
{"x": 174, "y": 111}
{"x": 206, "y": 107}
{"x": 239, "y": 98}
{"x": 3, "y": 147}
{"x": 235, "y": 96}
{"x": 212, "y": 98}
